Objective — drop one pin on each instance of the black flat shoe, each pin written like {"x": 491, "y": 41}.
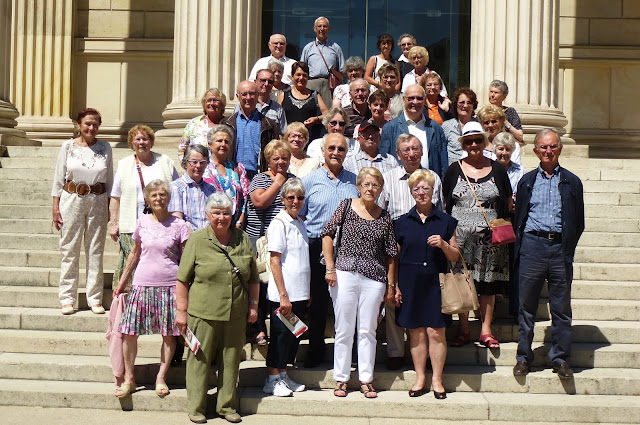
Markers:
{"x": 418, "y": 393}
{"x": 439, "y": 396}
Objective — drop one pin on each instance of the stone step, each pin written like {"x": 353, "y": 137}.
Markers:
{"x": 45, "y": 297}
{"x": 26, "y": 174}
{"x": 609, "y": 186}
{"x": 614, "y": 198}
{"x": 25, "y": 186}
{"x": 44, "y": 242}
{"x": 610, "y": 254}
{"x": 38, "y": 198}
{"x": 48, "y": 258}
{"x": 601, "y": 212}
{"x": 608, "y": 239}
{"x": 42, "y": 276}
{"x": 26, "y": 211}
{"x": 606, "y": 271}
{"x": 594, "y": 289}
{"x": 463, "y": 406}
{"x": 32, "y": 152}
{"x": 613, "y": 225}
{"x": 30, "y": 226}
{"x": 590, "y": 309}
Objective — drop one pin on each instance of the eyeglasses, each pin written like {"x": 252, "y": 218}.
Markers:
{"x": 292, "y": 198}
{"x": 195, "y": 162}
{"x": 248, "y": 94}
{"x": 278, "y": 43}
{"x": 265, "y": 81}
{"x": 371, "y": 136}
{"x": 477, "y": 141}
{"x": 406, "y": 44}
{"x": 337, "y": 123}
{"x": 544, "y": 148}
{"x": 407, "y": 151}
{"x": 465, "y": 102}
{"x": 370, "y": 186}
{"x": 415, "y": 98}
{"x": 338, "y": 148}
{"x": 296, "y": 136}
{"x": 418, "y": 190}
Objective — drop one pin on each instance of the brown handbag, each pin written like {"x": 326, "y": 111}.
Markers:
{"x": 457, "y": 290}
{"x": 335, "y": 76}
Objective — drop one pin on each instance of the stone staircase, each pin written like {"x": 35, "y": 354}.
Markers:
{"x": 51, "y": 360}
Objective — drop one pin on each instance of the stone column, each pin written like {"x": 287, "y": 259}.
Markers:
{"x": 517, "y": 42}
{"x": 215, "y": 44}
{"x": 40, "y": 84}
{"x": 8, "y": 112}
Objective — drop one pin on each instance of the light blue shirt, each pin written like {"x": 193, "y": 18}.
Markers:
{"x": 545, "y": 206}
{"x": 271, "y": 110}
{"x": 332, "y": 53}
{"x": 323, "y": 195}
{"x": 190, "y": 198}
{"x": 248, "y": 140}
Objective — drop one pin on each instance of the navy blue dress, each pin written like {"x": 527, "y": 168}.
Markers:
{"x": 418, "y": 268}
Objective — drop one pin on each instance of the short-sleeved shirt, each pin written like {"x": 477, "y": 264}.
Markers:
{"x": 288, "y": 236}
{"x": 160, "y": 257}
{"x": 190, "y": 198}
{"x": 216, "y": 293}
{"x": 396, "y": 195}
{"x": 381, "y": 162}
{"x": 365, "y": 244}
{"x": 258, "y": 220}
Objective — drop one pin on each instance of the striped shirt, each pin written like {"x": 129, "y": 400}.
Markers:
{"x": 396, "y": 196}
{"x": 545, "y": 206}
{"x": 382, "y": 162}
{"x": 258, "y": 220}
{"x": 323, "y": 195}
{"x": 190, "y": 198}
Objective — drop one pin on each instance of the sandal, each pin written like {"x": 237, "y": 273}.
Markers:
{"x": 341, "y": 389}
{"x": 126, "y": 390}
{"x": 489, "y": 341}
{"x": 162, "y": 390}
{"x": 368, "y": 390}
{"x": 261, "y": 341}
{"x": 460, "y": 340}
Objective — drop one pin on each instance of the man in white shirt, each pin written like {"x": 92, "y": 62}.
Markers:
{"x": 277, "y": 45}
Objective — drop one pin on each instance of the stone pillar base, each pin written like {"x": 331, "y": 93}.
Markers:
{"x": 534, "y": 118}
{"x": 176, "y": 116}
{"x": 47, "y": 127}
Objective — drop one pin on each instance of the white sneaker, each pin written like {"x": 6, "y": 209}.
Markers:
{"x": 268, "y": 386}
{"x": 280, "y": 389}
{"x": 293, "y": 385}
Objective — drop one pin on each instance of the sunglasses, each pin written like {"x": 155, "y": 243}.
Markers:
{"x": 477, "y": 141}
{"x": 265, "y": 81}
{"x": 337, "y": 123}
{"x": 292, "y": 198}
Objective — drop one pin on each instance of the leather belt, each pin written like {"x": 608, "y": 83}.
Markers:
{"x": 552, "y": 236}
{"x": 319, "y": 78}
{"x": 83, "y": 189}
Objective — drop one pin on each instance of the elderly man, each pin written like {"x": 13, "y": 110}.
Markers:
{"x": 253, "y": 130}
{"x": 321, "y": 55}
{"x": 358, "y": 110}
{"x": 368, "y": 156}
{"x": 396, "y": 198}
{"x": 326, "y": 188}
{"x": 267, "y": 106}
{"x": 549, "y": 220}
{"x": 277, "y": 45}
{"x": 405, "y": 42}
{"x": 414, "y": 121}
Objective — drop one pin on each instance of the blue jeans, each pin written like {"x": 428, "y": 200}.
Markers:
{"x": 542, "y": 259}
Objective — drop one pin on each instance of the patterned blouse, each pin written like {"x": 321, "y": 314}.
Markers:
{"x": 235, "y": 185}
{"x": 195, "y": 132}
{"x": 365, "y": 244}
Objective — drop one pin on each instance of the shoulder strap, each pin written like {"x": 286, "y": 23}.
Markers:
{"x": 139, "y": 171}
{"x": 474, "y": 193}
{"x": 236, "y": 270}
{"x": 315, "y": 43}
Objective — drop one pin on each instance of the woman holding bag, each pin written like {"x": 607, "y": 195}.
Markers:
{"x": 417, "y": 295}
{"x": 476, "y": 190}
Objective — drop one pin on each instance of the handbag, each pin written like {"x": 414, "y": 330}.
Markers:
{"x": 264, "y": 257}
{"x": 501, "y": 228}
{"x": 458, "y": 292}
{"x": 338, "y": 237}
{"x": 335, "y": 76}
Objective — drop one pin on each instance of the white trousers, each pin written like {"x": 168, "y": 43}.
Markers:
{"x": 85, "y": 218}
{"x": 356, "y": 302}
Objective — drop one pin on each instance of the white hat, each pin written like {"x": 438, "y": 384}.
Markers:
{"x": 472, "y": 128}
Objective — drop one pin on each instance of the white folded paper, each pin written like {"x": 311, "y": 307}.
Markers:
{"x": 293, "y": 323}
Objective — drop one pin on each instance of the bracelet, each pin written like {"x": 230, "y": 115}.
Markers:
{"x": 254, "y": 302}
{"x": 391, "y": 285}
{"x": 330, "y": 272}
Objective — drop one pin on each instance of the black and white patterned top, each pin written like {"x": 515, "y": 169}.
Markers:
{"x": 365, "y": 244}
{"x": 258, "y": 220}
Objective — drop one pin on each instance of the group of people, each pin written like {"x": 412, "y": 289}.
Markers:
{"x": 362, "y": 196}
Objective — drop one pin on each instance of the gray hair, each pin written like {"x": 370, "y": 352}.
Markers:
{"x": 282, "y": 35}
{"x": 320, "y": 17}
{"x": 344, "y": 140}
{"x": 405, "y": 35}
{"x": 500, "y": 85}
{"x": 405, "y": 137}
{"x": 353, "y": 62}
{"x": 218, "y": 200}
{"x": 504, "y": 139}
{"x": 275, "y": 62}
{"x": 359, "y": 80}
{"x": 225, "y": 129}
{"x": 331, "y": 112}
{"x": 191, "y": 149}
{"x": 424, "y": 92}
{"x": 153, "y": 185}
{"x": 294, "y": 185}
{"x": 543, "y": 133}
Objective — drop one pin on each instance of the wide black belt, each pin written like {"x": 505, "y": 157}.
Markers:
{"x": 552, "y": 236}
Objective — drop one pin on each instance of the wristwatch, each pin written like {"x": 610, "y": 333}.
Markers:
{"x": 507, "y": 127}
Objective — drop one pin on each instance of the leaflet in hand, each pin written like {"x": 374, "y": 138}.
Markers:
{"x": 293, "y": 323}
{"x": 191, "y": 340}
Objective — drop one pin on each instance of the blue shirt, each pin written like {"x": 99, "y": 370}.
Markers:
{"x": 332, "y": 53}
{"x": 190, "y": 198}
{"x": 248, "y": 140}
{"x": 269, "y": 109}
{"x": 545, "y": 206}
{"x": 323, "y": 195}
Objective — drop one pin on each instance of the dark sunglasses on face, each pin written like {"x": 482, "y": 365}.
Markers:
{"x": 477, "y": 141}
{"x": 293, "y": 198}
{"x": 337, "y": 123}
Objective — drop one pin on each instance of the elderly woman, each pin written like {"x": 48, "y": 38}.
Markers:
{"x": 464, "y": 105}
{"x": 288, "y": 291}
{"x": 405, "y": 42}
{"x": 417, "y": 294}
{"x": 297, "y": 136}
{"x": 354, "y": 69}
{"x": 498, "y": 91}
{"x": 389, "y": 80}
{"x": 277, "y": 67}
{"x": 213, "y": 104}
{"x": 335, "y": 120}
{"x": 419, "y": 57}
{"x": 473, "y": 187}
{"x": 437, "y": 106}
{"x": 492, "y": 119}
{"x": 127, "y": 200}
{"x": 224, "y": 173}
{"x": 216, "y": 294}
{"x": 385, "y": 45}
{"x": 358, "y": 277}
{"x": 263, "y": 204}
{"x": 151, "y": 305}
{"x": 301, "y": 104}
{"x": 81, "y": 183}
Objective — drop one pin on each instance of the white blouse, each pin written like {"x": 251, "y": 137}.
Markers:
{"x": 83, "y": 164}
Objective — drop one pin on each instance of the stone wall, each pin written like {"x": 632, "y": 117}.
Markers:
{"x": 600, "y": 74}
